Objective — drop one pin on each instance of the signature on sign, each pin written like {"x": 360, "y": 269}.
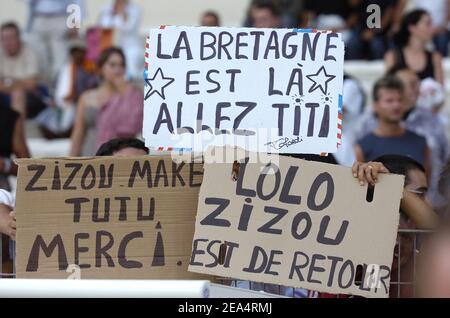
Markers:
{"x": 284, "y": 142}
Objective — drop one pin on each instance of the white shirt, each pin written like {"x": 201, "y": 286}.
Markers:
{"x": 128, "y": 30}
{"x": 438, "y": 10}
{"x": 6, "y": 198}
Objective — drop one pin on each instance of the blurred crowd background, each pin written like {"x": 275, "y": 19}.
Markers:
{"x": 66, "y": 89}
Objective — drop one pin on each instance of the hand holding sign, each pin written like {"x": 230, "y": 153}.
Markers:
{"x": 297, "y": 223}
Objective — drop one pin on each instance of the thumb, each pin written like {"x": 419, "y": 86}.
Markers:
{"x": 383, "y": 169}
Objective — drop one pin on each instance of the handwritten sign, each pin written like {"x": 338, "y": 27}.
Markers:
{"x": 297, "y": 223}
{"x": 106, "y": 217}
{"x": 266, "y": 90}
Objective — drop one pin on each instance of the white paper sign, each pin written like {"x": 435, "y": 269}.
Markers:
{"x": 266, "y": 90}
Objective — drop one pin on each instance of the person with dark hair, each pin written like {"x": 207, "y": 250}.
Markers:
{"x": 439, "y": 11}
{"x": 19, "y": 71}
{"x": 328, "y": 15}
{"x": 289, "y": 13}
{"x": 415, "y": 212}
{"x": 75, "y": 77}
{"x": 390, "y": 137}
{"x": 264, "y": 15}
{"x": 210, "y": 19}
{"x": 367, "y": 41}
{"x": 423, "y": 123}
{"x": 12, "y": 142}
{"x": 114, "y": 109}
{"x": 122, "y": 147}
{"x": 411, "y": 41}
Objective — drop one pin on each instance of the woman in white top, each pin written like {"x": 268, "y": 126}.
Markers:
{"x": 125, "y": 17}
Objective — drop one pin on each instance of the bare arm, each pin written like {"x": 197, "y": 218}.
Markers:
{"x": 419, "y": 211}
{"x": 359, "y": 155}
{"x": 438, "y": 68}
{"x": 79, "y": 129}
{"x": 20, "y": 148}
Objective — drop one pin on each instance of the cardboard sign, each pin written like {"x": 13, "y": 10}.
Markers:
{"x": 111, "y": 217}
{"x": 265, "y": 90}
{"x": 297, "y": 223}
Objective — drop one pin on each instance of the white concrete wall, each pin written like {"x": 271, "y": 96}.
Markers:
{"x": 155, "y": 12}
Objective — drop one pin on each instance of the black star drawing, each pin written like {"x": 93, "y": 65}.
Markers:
{"x": 157, "y": 84}
{"x": 321, "y": 80}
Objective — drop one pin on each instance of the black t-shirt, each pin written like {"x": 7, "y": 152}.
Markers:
{"x": 8, "y": 119}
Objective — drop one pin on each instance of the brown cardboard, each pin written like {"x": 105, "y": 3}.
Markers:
{"x": 368, "y": 239}
{"x": 46, "y": 213}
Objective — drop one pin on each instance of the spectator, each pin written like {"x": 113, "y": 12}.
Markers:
{"x": 264, "y": 15}
{"x": 75, "y": 77}
{"x": 389, "y": 136}
{"x": 439, "y": 11}
{"x": 124, "y": 17}
{"x": 431, "y": 96}
{"x": 328, "y": 15}
{"x": 415, "y": 212}
{"x": 366, "y": 41}
{"x": 210, "y": 19}
{"x": 48, "y": 30}
{"x": 413, "y": 204}
{"x": 123, "y": 147}
{"x": 288, "y": 12}
{"x": 114, "y": 109}
{"x": 411, "y": 41}
{"x": 423, "y": 123}
{"x": 338, "y": 16}
{"x": 18, "y": 74}
{"x": 12, "y": 142}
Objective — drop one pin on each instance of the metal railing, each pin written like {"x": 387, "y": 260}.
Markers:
{"x": 396, "y": 285}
